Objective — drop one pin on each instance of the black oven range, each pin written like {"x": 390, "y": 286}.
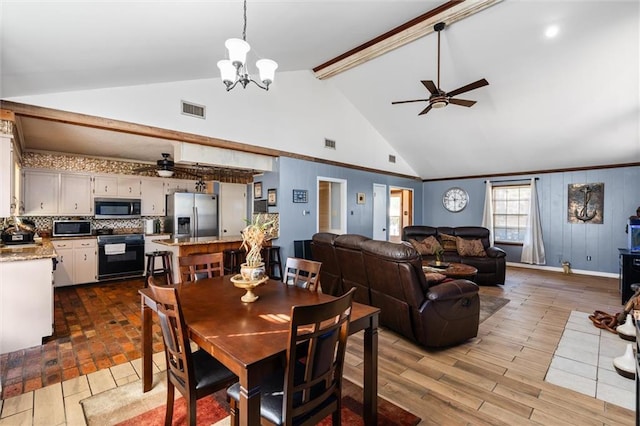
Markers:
{"x": 120, "y": 256}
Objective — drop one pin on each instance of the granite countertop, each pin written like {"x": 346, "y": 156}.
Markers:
{"x": 189, "y": 241}
{"x": 12, "y": 253}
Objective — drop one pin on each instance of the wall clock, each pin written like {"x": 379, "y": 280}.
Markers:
{"x": 455, "y": 199}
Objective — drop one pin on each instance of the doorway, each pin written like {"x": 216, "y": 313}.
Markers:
{"x": 332, "y": 205}
{"x": 400, "y": 212}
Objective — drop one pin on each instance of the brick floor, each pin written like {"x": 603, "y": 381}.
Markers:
{"x": 95, "y": 326}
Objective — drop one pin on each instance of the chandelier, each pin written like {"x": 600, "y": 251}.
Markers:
{"x": 234, "y": 69}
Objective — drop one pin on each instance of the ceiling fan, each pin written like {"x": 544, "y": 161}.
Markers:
{"x": 166, "y": 167}
{"x": 439, "y": 98}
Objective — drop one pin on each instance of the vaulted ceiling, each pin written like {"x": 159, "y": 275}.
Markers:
{"x": 553, "y": 102}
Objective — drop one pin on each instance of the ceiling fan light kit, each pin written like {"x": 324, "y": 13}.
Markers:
{"x": 439, "y": 98}
{"x": 234, "y": 70}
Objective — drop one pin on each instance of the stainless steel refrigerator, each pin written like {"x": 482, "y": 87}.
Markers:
{"x": 192, "y": 215}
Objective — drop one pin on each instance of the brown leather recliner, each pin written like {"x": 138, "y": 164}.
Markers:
{"x": 440, "y": 315}
{"x": 352, "y": 269}
{"x": 491, "y": 268}
{"x": 322, "y": 250}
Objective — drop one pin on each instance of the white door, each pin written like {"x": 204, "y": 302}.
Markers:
{"x": 232, "y": 204}
{"x": 332, "y": 205}
{"x": 379, "y": 212}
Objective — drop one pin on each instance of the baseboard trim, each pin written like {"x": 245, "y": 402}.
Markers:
{"x": 559, "y": 269}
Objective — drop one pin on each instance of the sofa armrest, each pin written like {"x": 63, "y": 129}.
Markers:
{"x": 452, "y": 290}
{"x": 495, "y": 252}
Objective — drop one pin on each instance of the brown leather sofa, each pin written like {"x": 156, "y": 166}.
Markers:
{"x": 389, "y": 276}
{"x": 491, "y": 268}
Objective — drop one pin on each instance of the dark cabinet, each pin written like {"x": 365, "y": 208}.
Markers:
{"x": 302, "y": 249}
{"x": 629, "y": 272}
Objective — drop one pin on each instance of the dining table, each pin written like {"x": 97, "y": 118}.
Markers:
{"x": 251, "y": 338}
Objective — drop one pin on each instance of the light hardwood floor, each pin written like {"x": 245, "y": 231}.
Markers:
{"x": 494, "y": 379}
{"x": 498, "y": 378}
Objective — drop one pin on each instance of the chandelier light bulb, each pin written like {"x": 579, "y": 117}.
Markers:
{"x": 227, "y": 71}
{"x": 267, "y": 69}
{"x": 238, "y": 50}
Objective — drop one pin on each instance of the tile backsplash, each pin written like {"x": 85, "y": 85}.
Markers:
{"x": 45, "y": 223}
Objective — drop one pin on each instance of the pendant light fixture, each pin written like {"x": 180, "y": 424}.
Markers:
{"x": 234, "y": 70}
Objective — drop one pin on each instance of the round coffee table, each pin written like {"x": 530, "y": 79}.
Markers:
{"x": 456, "y": 270}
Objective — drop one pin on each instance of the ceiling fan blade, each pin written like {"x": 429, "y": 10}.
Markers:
{"x": 468, "y": 87}
{"x": 404, "y": 102}
{"x": 426, "y": 110}
{"x": 431, "y": 87}
{"x": 462, "y": 102}
{"x": 145, "y": 169}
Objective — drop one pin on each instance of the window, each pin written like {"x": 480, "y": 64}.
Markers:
{"x": 510, "y": 212}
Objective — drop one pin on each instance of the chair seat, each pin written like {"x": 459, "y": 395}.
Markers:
{"x": 208, "y": 370}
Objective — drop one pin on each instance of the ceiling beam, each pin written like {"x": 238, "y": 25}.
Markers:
{"x": 449, "y": 12}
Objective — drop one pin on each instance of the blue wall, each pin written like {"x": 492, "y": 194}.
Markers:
{"x": 563, "y": 240}
{"x": 299, "y": 174}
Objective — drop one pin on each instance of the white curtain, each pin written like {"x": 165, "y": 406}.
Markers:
{"x": 487, "y": 215}
{"x": 533, "y": 246}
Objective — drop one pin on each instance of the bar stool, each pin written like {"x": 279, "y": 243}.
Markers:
{"x": 152, "y": 271}
{"x": 271, "y": 256}
{"x": 233, "y": 258}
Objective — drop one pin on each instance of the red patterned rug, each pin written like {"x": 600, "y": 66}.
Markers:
{"x": 215, "y": 408}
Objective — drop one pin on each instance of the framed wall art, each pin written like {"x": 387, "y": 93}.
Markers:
{"x": 272, "y": 197}
{"x": 360, "y": 198}
{"x": 300, "y": 196}
{"x": 257, "y": 190}
{"x": 586, "y": 203}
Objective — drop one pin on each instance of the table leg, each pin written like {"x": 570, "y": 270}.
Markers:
{"x": 370, "y": 396}
{"x": 249, "y": 399}
{"x": 147, "y": 347}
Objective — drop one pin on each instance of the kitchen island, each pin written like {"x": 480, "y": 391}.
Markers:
{"x": 26, "y": 295}
{"x": 193, "y": 245}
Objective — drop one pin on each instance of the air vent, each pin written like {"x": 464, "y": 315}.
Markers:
{"x": 193, "y": 110}
{"x": 328, "y": 143}
{"x": 392, "y": 158}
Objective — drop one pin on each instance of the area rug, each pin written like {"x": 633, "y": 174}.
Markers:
{"x": 489, "y": 305}
{"x": 128, "y": 406}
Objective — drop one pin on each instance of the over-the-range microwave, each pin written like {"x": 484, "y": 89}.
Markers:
{"x": 117, "y": 208}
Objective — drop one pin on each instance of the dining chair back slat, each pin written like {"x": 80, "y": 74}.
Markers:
{"x": 302, "y": 273}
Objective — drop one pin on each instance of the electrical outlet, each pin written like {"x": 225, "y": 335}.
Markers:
{"x": 588, "y": 258}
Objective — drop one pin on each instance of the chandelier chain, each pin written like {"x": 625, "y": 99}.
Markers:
{"x": 244, "y": 29}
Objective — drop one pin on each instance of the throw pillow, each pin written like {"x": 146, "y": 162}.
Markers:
{"x": 426, "y": 247}
{"x": 471, "y": 248}
{"x": 448, "y": 242}
{"x": 434, "y": 277}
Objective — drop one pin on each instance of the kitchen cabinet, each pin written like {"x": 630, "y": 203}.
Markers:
{"x": 153, "y": 200}
{"x": 75, "y": 195}
{"x": 77, "y": 261}
{"x": 85, "y": 261}
{"x": 105, "y": 186}
{"x": 41, "y": 191}
{"x": 129, "y": 186}
{"x": 63, "y": 275}
{"x": 26, "y": 305}
{"x": 179, "y": 185}
{"x": 6, "y": 171}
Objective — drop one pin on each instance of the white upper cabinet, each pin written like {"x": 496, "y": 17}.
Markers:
{"x": 129, "y": 186}
{"x": 41, "y": 191}
{"x": 153, "y": 199}
{"x": 179, "y": 185}
{"x": 6, "y": 172}
{"x": 105, "y": 186}
{"x": 75, "y": 195}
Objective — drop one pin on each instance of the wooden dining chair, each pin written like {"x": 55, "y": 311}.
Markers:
{"x": 198, "y": 266}
{"x": 195, "y": 374}
{"x": 302, "y": 273}
{"x": 306, "y": 392}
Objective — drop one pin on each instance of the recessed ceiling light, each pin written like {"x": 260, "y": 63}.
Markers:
{"x": 551, "y": 31}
